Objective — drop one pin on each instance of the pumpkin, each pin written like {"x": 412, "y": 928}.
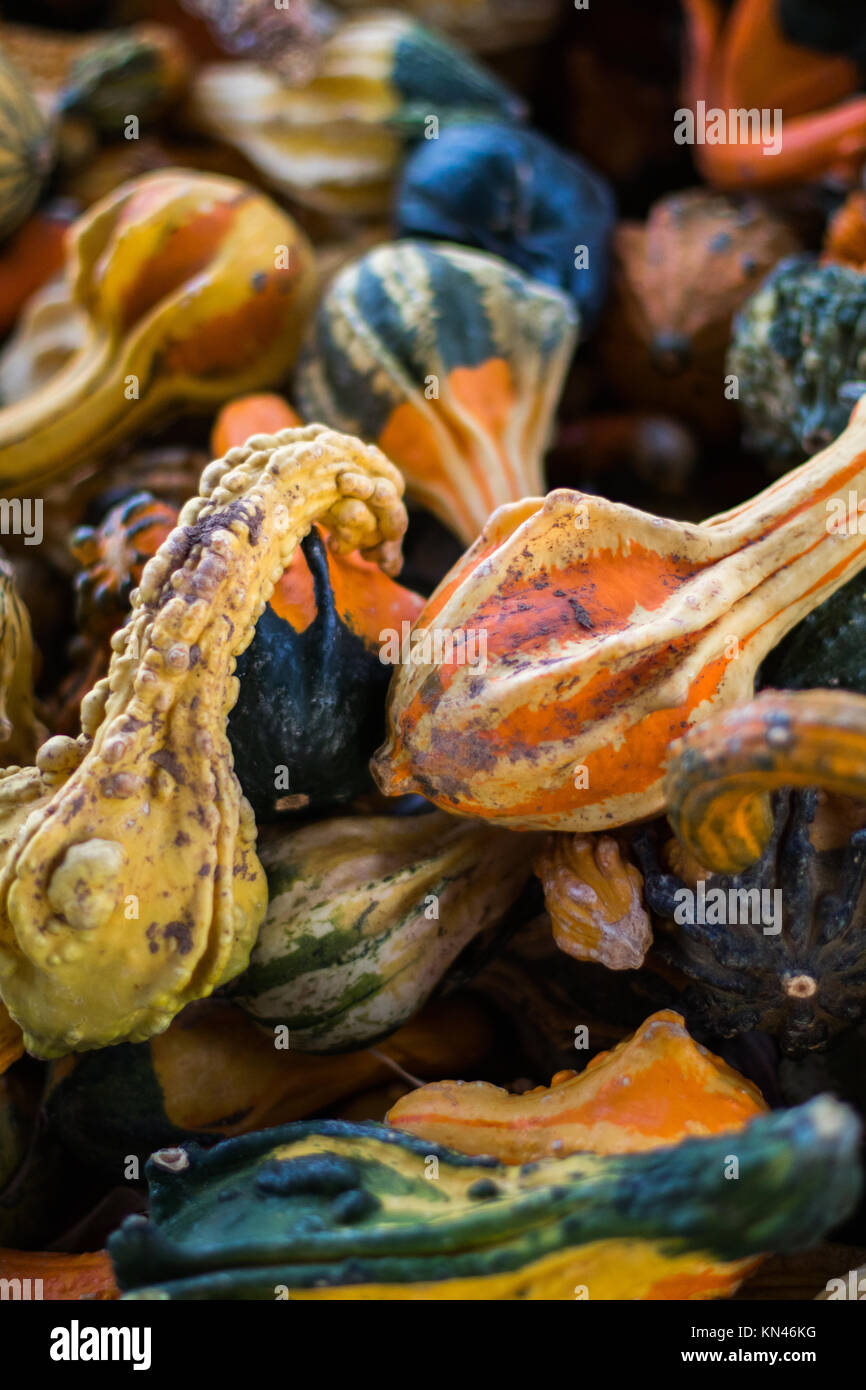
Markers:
{"x": 762, "y": 903}
{"x": 51, "y": 1275}
{"x": 608, "y": 633}
{"x": 654, "y": 1089}
{"x": 677, "y": 281}
{"x": 365, "y": 916}
{"x": 213, "y": 1074}
{"x": 143, "y": 70}
{"x": 796, "y": 343}
{"x": 336, "y": 142}
{"x": 749, "y": 56}
{"x": 181, "y": 276}
{"x": 511, "y": 192}
{"x": 147, "y": 911}
{"x": 452, "y": 361}
{"x": 593, "y": 895}
{"x": 329, "y": 1209}
{"x": 26, "y": 149}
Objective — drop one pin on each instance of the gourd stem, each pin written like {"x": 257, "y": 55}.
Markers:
{"x": 718, "y": 783}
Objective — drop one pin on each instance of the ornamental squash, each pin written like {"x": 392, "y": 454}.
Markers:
{"x": 365, "y": 916}
{"x": 762, "y": 905}
{"x": 796, "y": 343}
{"x": 608, "y": 633}
{"x": 26, "y": 148}
{"x": 336, "y": 141}
{"x": 677, "y": 280}
{"x": 213, "y": 1074}
{"x": 196, "y": 288}
{"x": 51, "y": 329}
{"x": 143, "y": 70}
{"x": 654, "y": 1089}
{"x": 129, "y": 883}
{"x": 329, "y": 1209}
{"x": 452, "y": 361}
{"x": 311, "y": 704}
{"x": 511, "y": 192}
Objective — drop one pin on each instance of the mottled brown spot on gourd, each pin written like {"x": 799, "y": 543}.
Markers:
{"x": 181, "y": 933}
{"x": 172, "y": 765}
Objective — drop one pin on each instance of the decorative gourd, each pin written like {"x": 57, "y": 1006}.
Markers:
{"x": 366, "y": 914}
{"x": 129, "y": 880}
{"x": 26, "y": 149}
{"x": 59, "y": 1276}
{"x": 310, "y": 709}
{"x": 719, "y": 777}
{"x": 214, "y": 1074}
{"x": 17, "y": 720}
{"x": 328, "y": 1209}
{"x": 593, "y": 896}
{"x": 764, "y": 914}
{"x": 511, "y": 192}
{"x": 676, "y": 282}
{"x": 52, "y": 328}
{"x": 608, "y": 633}
{"x": 190, "y": 301}
{"x": 749, "y": 56}
{"x": 654, "y": 1089}
{"x": 336, "y": 142}
{"x": 795, "y": 345}
{"x": 142, "y": 70}
{"x": 313, "y": 681}
{"x": 828, "y": 648}
{"x": 453, "y": 362}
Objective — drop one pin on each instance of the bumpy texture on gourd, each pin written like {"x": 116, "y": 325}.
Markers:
{"x": 609, "y": 633}
{"x": 511, "y": 192}
{"x": 795, "y": 345}
{"x": 330, "y": 1209}
{"x": 130, "y": 883}
{"x": 826, "y": 649}
{"x": 652, "y": 1089}
{"x": 366, "y": 914}
{"x": 196, "y": 288}
{"x": 452, "y": 361}
{"x": 336, "y": 141}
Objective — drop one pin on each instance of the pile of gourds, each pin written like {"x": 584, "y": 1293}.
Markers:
{"x": 428, "y": 871}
